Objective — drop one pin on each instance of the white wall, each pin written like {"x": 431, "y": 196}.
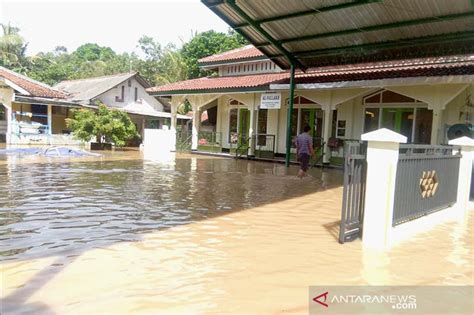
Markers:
{"x": 248, "y": 68}
{"x": 108, "y": 97}
{"x": 352, "y": 111}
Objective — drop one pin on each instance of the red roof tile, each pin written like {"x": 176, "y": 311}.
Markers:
{"x": 247, "y": 81}
{"x": 442, "y": 66}
{"x": 234, "y": 54}
{"x": 33, "y": 87}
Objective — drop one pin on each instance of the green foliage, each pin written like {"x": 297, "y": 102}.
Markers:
{"x": 12, "y": 48}
{"x": 158, "y": 65}
{"x": 109, "y": 125}
{"x": 83, "y": 124}
{"x": 205, "y": 44}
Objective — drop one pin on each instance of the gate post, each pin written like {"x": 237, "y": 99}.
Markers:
{"x": 382, "y": 159}
{"x": 465, "y": 170}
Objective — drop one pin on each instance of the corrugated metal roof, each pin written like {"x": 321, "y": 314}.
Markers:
{"x": 84, "y": 90}
{"x": 348, "y": 31}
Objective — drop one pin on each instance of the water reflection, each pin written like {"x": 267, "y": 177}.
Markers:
{"x": 61, "y": 208}
{"x": 195, "y": 235}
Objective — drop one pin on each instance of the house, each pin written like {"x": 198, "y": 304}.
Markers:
{"x": 126, "y": 92}
{"x": 342, "y": 67}
{"x": 421, "y": 98}
{"x": 32, "y": 112}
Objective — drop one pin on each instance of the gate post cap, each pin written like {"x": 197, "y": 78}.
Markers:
{"x": 463, "y": 141}
{"x": 384, "y": 135}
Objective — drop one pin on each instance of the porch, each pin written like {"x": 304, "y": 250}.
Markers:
{"x": 33, "y": 122}
{"x": 237, "y": 125}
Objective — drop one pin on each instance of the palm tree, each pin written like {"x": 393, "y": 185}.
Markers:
{"x": 172, "y": 67}
{"x": 12, "y": 47}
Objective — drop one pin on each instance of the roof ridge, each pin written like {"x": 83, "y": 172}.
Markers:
{"x": 396, "y": 63}
{"x": 228, "y": 52}
{"x": 24, "y": 77}
{"x": 102, "y": 76}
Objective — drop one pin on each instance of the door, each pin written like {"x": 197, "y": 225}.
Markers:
{"x": 399, "y": 120}
{"x": 314, "y": 118}
{"x": 244, "y": 125}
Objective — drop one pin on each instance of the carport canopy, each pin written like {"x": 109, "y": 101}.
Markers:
{"x": 300, "y": 34}
{"x": 312, "y": 33}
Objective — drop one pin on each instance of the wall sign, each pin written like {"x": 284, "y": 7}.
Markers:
{"x": 270, "y": 101}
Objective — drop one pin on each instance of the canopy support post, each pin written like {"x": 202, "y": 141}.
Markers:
{"x": 288, "y": 118}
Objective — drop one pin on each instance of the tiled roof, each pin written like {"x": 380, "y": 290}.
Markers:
{"x": 33, "y": 87}
{"x": 442, "y": 66}
{"x": 245, "y": 52}
{"x": 247, "y": 81}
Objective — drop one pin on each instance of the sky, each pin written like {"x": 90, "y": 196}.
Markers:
{"x": 116, "y": 24}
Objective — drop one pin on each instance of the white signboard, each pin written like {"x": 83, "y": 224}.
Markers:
{"x": 270, "y": 101}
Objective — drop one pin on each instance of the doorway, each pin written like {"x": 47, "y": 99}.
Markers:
{"x": 313, "y": 117}
{"x": 399, "y": 120}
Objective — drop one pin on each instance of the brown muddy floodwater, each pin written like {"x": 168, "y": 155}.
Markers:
{"x": 198, "y": 235}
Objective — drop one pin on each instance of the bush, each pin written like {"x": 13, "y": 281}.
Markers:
{"x": 106, "y": 125}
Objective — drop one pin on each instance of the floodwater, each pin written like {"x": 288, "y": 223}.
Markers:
{"x": 199, "y": 235}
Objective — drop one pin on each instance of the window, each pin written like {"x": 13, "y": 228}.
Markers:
{"x": 262, "y": 126}
{"x": 122, "y": 97}
{"x": 129, "y": 83}
{"x": 233, "y": 119}
{"x": 423, "y": 125}
{"x": 3, "y": 115}
{"x": 136, "y": 94}
{"x": 371, "y": 119}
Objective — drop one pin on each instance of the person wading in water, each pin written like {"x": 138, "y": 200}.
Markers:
{"x": 304, "y": 150}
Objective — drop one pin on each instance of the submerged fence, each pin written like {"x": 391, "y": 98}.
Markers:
{"x": 426, "y": 181}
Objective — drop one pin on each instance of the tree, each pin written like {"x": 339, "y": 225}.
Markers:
{"x": 12, "y": 48}
{"x": 205, "y": 44}
{"x": 106, "y": 125}
{"x": 172, "y": 67}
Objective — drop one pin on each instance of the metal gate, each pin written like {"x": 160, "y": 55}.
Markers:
{"x": 355, "y": 167}
{"x": 183, "y": 140}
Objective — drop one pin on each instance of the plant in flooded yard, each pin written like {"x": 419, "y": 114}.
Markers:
{"x": 106, "y": 125}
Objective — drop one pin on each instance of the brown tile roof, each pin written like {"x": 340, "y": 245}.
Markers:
{"x": 246, "y": 81}
{"x": 441, "y": 66}
{"x": 33, "y": 87}
{"x": 245, "y": 52}
{"x": 436, "y": 66}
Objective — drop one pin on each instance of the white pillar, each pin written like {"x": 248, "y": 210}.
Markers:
{"x": 327, "y": 124}
{"x": 50, "y": 119}
{"x": 174, "y": 123}
{"x": 382, "y": 160}
{"x": 9, "y": 115}
{"x": 196, "y": 126}
{"x": 252, "y": 129}
{"x": 465, "y": 170}
{"x": 435, "y": 126}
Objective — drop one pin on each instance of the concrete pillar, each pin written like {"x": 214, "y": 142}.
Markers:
{"x": 327, "y": 124}
{"x": 50, "y": 119}
{"x": 436, "y": 125}
{"x": 465, "y": 170}
{"x": 382, "y": 160}
{"x": 252, "y": 127}
{"x": 196, "y": 126}
{"x": 9, "y": 116}
{"x": 173, "y": 125}
{"x": 174, "y": 117}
